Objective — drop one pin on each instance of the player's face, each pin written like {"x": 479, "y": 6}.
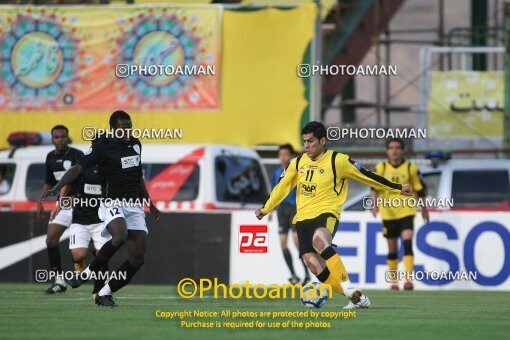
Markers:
{"x": 285, "y": 156}
{"x": 395, "y": 152}
{"x": 60, "y": 140}
{"x": 313, "y": 146}
{"x": 126, "y": 125}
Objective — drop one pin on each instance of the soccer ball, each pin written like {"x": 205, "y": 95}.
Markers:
{"x": 315, "y": 295}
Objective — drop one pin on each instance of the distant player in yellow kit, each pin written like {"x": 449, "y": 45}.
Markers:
{"x": 398, "y": 220}
{"x": 320, "y": 176}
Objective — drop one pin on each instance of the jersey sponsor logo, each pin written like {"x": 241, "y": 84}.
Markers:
{"x": 253, "y": 239}
{"x": 308, "y": 189}
{"x": 58, "y": 175}
{"x": 136, "y": 147}
{"x": 67, "y": 164}
{"x": 92, "y": 189}
{"x": 313, "y": 167}
{"x": 130, "y": 161}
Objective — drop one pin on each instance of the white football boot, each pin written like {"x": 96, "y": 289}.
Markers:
{"x": 356, "y": 299}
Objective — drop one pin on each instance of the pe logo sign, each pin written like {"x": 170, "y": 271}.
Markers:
{"x": 253, "y": 239}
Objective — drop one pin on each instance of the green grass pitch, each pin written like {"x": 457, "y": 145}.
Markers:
{"x": 27, "y": 313}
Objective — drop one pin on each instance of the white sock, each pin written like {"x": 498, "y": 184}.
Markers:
{"x": 105, "y": 290}
{"x": 346, "y": 285}
{"x": 60, "y": 280}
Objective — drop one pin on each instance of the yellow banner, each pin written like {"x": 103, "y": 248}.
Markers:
{"x": 466, "y": 104}
{"x": 262, "y": 98}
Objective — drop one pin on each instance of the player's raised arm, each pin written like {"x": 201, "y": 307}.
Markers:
{"x": 287, "y": 182}
{"x": 67, "y": 179}
{"x": 354, "y": 170}
{"x": 90, "y": 158}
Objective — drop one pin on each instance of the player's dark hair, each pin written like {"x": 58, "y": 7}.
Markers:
{"x": 119, "y": 114}
{"x": 317, "y": 128}
{"x": 286, "y": 146}
{"x": 60, "y": 127}
{"x": 398, "y": 140}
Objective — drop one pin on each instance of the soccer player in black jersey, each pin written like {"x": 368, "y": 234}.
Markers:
{"x": 58, "y": 162}
{"x": 120, "y": 168}
{"x": 86, "y": 225}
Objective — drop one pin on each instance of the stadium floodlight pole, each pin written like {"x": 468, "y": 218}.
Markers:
{"x": 506, "y": 125}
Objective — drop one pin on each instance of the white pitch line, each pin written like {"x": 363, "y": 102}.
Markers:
{"x": 130, "y": 298}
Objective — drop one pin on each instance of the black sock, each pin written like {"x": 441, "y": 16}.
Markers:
{"x": 54, "y": 257}
{"x": 98, "y": 284}
{"x": 288, "y": 259}
{"x": 130, "y": 270}
{"x": 307, "y": 276}
{"x": 103, "y": 256}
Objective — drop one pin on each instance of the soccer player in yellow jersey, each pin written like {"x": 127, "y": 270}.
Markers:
{"x": 320, "y": 176}
{"x": 397, "y": 212}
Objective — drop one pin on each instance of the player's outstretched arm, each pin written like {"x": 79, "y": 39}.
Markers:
{"x": 287, "y": 182}
{"x": 354, "y": 170}
{"x": 67, "y": 179}
{"x": 145, "y": 193}
{"x": 374, "y": 195}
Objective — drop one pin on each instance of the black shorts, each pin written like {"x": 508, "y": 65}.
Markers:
{"x": 306, "y": 229}
{"x": 393, "y": 228}
{"x": 286, "y": 213}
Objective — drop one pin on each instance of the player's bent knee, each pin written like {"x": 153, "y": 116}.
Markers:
{"x": 312, "y": 267}
{"x": 78, "y": 258}
{"x": 119, "y": 240}
{"x": 318, "y": 244}
{"x": 313, "y": 264}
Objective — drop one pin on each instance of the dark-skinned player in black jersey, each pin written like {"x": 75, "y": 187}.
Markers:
{"x": 120, "y": 168}
{"x": 58, "y": 161}
{"x": 86, "y": 225}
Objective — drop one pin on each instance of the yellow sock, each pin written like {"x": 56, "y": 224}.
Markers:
{"x": 393, "y": 265}
{"x": 79, "y": 266}
{"x": 334, "y": 283}
{"x": 335, "y": 266}
{"x": 409, "y": 264}
{"x": 328, "y": 278}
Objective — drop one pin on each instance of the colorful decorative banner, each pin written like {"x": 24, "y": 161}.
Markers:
{"x": 102, "y": 58}
{"x": 262, "y": 98}
{"x": 468, "y": 104}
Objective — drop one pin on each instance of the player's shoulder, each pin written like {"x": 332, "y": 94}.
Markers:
{"x": 75, "y": 152}
{"x": 380, "y": 165}
{"x": 340, "y": 157}
{"x": 50, "y": 154}
{"x": 412, "y": 166}
{"x": 98, "y": 144}
{"x": 135, "y": 140}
